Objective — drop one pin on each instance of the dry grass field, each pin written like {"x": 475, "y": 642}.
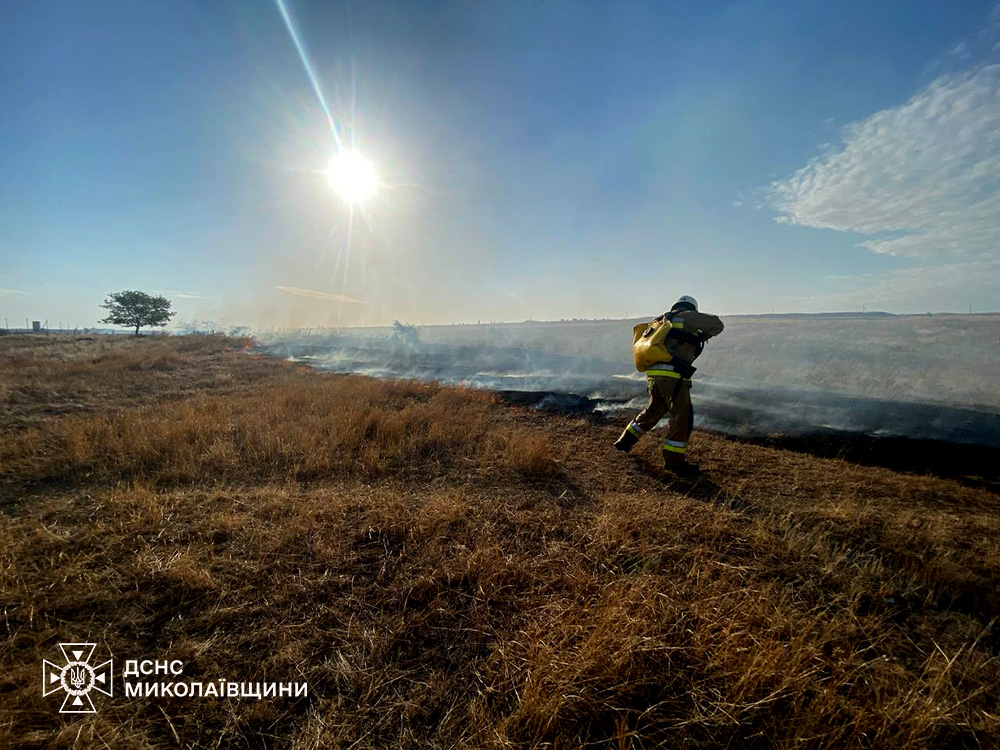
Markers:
{"x": 445, "y": 571}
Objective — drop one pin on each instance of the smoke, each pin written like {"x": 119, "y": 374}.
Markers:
{"x": 878, "y": 375}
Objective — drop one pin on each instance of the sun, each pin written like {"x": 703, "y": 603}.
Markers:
{"x": 352, "y": 176}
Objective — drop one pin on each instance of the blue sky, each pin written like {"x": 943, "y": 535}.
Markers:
{"x": 546, "y": 160}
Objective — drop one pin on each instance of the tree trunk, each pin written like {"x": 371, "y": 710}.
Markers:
{"x": 137, "y": 330}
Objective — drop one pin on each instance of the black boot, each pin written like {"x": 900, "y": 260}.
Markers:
{"x": 626, "y": 441}
{"x": 680, "y": 468}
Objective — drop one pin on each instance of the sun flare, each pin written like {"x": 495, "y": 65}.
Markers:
{"x": 352, "y": 176}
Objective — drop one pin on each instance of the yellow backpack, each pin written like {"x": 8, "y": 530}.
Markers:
{"x": 648, "y": 348}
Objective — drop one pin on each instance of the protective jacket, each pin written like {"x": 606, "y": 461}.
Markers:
{"x": 689, "y": 332}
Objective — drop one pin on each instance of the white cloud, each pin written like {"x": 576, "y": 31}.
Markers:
{"x": 180, "y": 294}
{"x": 14, "y": 291}
{"x": 922, "y": 179}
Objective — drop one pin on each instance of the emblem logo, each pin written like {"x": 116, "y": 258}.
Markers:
{"x": 77, "y": 678}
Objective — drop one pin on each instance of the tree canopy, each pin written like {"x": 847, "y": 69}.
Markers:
{"x": 136, "y": 309}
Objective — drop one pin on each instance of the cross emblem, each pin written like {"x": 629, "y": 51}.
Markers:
{"x": 77, "y": 678}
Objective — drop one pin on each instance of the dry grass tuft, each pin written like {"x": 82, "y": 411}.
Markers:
{"x": 296, "y": 427}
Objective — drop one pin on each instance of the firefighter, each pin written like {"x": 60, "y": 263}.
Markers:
{"x": 669, "y": 384}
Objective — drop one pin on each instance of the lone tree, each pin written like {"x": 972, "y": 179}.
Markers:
{"x": 137, "y": 309}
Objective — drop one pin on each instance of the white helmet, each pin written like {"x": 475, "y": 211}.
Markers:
{"x": 687, "y": 300}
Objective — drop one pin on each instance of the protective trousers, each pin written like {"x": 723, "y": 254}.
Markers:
{"x": 671, "y": 395}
